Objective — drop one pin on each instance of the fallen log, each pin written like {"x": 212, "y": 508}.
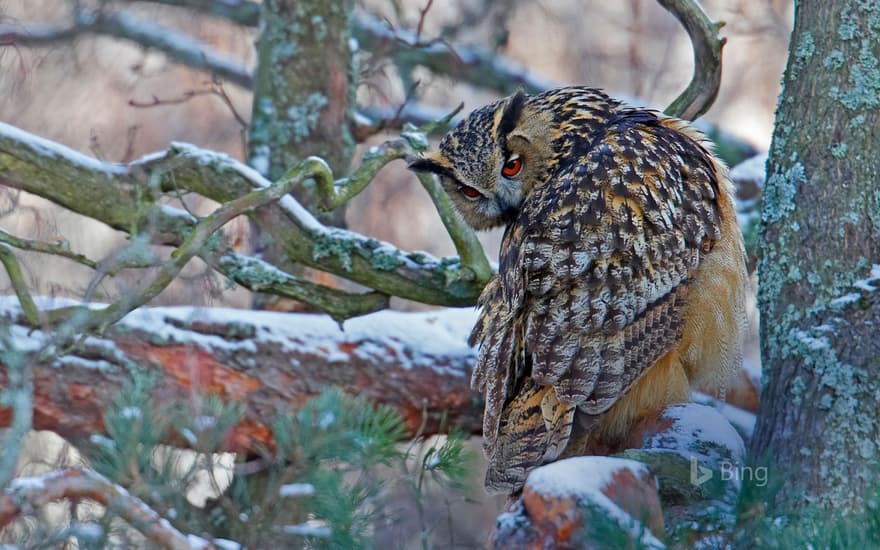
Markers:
{"x": 417, "y": 363}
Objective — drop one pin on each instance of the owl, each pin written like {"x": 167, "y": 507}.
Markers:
{"x": 621, "y": 272}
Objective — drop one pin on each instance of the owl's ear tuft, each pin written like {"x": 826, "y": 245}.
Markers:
{"x": 430, "y": 165}
{"x": 510, "y": 116}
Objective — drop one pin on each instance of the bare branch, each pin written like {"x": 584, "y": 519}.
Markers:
{"x": 334, "y": 194}
{"x": 194, "y": 244}
{"x": 243, "y": 12}
{"x": 478, "y": 67}
{"x": 180, "y": 47}
{"x": 703, "y": 32}
{"x": 26, "y": 495}
{"x": 16, "y": 277}
{"x": 61, "y": 248}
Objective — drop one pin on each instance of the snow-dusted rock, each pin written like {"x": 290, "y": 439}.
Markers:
{"x": 695, "y": 452}
{"x": 584, "y": 502}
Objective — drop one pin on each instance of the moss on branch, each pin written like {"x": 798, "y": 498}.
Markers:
{"x": 115, "y": 194}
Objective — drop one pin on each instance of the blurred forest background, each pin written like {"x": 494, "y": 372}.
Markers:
{"x": 117, "y": 101}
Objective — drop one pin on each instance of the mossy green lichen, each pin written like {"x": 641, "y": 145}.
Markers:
{"x": 838, "y": 150}
{"x": 780, "y": 192}
{"x": 806, "y": 47}
{"x": 327, "y": 245}
{"x": 834, "y": 60}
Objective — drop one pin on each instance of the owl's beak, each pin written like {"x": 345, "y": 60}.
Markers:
{"x": 508, "y": 197}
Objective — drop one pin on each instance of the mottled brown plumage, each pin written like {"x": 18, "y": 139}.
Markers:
{"x": 621, "y": 269}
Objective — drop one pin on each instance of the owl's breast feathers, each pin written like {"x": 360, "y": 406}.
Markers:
{"x": 593, "y": 279}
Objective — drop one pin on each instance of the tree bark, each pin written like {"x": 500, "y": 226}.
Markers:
{"x": 303, "y": 97}
{"x": 818, "y": 276}
{"x": 417, "y": 363}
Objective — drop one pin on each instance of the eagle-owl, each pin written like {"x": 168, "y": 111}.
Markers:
{"x": 621, "y": 271}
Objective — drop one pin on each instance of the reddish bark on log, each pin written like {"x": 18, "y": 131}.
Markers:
{"x": 417, "y": 363}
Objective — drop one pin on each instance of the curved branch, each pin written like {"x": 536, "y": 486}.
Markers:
{"x": 110, "y": 193}
{"x": 703, "y": 32}
{"x": 27, "y": 494}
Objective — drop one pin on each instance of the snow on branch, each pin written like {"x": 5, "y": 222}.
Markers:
{"x": 179, "y": 47}
{"x": 417, "y": 363}
{"x": 26, "y": 494}
{"x": 113, "y": 194}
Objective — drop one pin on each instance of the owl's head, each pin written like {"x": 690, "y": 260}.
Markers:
{"x": 492, "y": 160}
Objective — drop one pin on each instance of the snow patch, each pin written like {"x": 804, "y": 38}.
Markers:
{"x": 584, "y": 477}
{"x": 311, "y": 528}
{"x": 27, "y": 483}
{"x": 296, "y": 490}
{"x": 46, "y": 148}
{"x": 694, "y": 429}
{"x": 753, "y": 169}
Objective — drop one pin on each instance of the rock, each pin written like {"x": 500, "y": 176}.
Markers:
{"x": 694, "y": 451}
{"x": 584, "y": 502}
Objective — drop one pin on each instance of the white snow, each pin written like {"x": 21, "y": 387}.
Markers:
{"x": 27, "y": 483}
{"x": 752, "y": 169}
{"x": 296, "y": 490}
{"x": 585, "y": 477}
{"x": 868, "y": 283}
{"x": 311, "y": 528}
{"x": 742, "y": 420}
{"x": 48, "y": 148}
{"x": 416, "y": 339}
{"x": 693, "y": 426}
{"x": 226, "y": 544}
{"x": 132, "y": 413}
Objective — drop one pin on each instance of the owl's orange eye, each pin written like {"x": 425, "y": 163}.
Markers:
{"x": 512, "y": 167}
{"x": 469, "y": 192}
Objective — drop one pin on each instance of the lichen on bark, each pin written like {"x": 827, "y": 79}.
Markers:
{"x": 820, "y": 237}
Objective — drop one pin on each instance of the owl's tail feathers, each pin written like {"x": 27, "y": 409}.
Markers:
{"x": 535, "y": 429}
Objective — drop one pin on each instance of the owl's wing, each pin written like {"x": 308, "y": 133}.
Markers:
{"x": 593, "y": 280}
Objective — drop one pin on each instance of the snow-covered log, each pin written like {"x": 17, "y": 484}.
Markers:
{"x": 418, "y": 363}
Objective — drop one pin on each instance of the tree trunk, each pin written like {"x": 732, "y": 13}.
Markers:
{"x": 303, "y": 102}
{"x": 304, "y": 91}
{"x": 820, "y": 311}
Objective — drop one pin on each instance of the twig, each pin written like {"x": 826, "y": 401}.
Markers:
{"x": 191, "y": 247}
{"x": 334, "y": 194}
{"x": 56, "y": 249}
{"x": 479, "y": 67}
{"x": 16, "y": 277}
{"x": 180, "y": 47}
{"x": 703, "y": 32}
{"x": 26, "y": 495}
